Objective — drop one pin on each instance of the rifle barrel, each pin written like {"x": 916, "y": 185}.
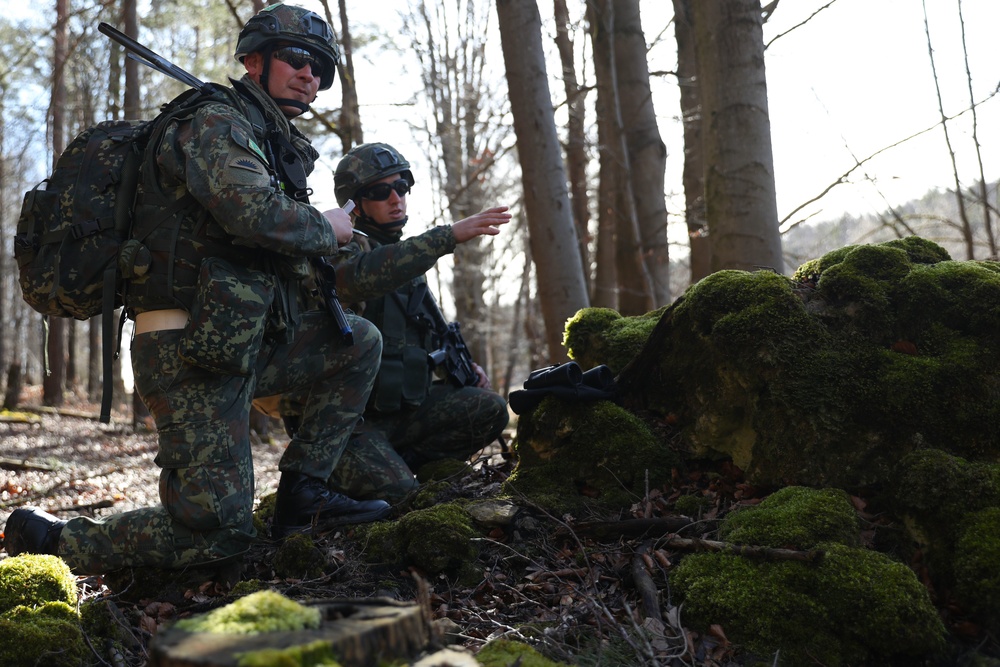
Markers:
{"x": 150, "y": 58}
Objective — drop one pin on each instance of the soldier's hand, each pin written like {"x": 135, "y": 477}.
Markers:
{"x": 341, "y": 223}
{"x": 480, "y": 224}
{"x": 484, "y": 380}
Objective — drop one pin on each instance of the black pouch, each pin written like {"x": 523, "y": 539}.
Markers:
{"x": 228, "y": 318}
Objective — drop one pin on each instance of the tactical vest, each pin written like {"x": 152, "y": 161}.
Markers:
{"x": 408, "y": 336}
{"x": 178, "y": 233}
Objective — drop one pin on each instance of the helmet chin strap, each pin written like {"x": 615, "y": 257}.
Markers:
{"x": 264, "y": 83}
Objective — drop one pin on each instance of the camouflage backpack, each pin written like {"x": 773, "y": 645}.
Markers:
{"x": 72, "y": 242}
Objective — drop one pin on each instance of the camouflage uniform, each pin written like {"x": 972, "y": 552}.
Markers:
{"x": 444, "y": 421}
{"x": 202, "y": 414}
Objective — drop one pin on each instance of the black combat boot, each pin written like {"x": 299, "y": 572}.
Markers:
{"x": 29, "y": 530}
{"x": 302, "y": 498}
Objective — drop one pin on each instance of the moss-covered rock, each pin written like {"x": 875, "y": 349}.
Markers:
{"x": 795, "y": 518}
{"x": 830, "y": 378}
{"x": 436, "y": 539}
{"x": 46, "y": 633}
{"x": 298, "y": 557}
{"x": 506, "y": 652}
{"x": 257, "y": 613}
{"x": 596, "y": 336}
{"x": 33, "y": 579}
{"x": 572, "y": 453}
{"x": 871, "y": 608}
{"x": 977, "y": 555}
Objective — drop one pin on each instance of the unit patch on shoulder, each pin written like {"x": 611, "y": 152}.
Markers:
{"x": 248, "y": 163}
{"x": 244, "y": 169}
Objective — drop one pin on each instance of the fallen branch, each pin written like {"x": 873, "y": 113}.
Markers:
{"x": 13, "y": 464}
{"x": 644, "y": 584}
{"x": 748, "y": 551}
{"x": 632, "y": 527}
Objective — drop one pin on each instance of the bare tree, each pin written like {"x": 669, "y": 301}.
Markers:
{"x": 740, "y": 201}
{"x": 576, "y": 138}
{"x": 561, "y": 287}
{"x": 693, "y": 175}
{"x": 966, "y": 227}
{"x": 618, "y": 225}
{"x": 55, "y": 344}
{"x": 646, "y": 152}
{"x": 351, "y": 133}
{"x": 449, "y": 41}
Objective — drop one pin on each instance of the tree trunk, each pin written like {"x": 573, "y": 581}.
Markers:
{"x": 693, "y": 175}
{"x": 55, "y": 341}
{"x": 634, "y": 284}
{"x": 576, "y": 138}
{"x": 351, "y": 133}
{"x": 15, "y": 382}
{"x": 561, "y": 287}
{"x": 647, "y": 154}
{"x": 740, "y": 203}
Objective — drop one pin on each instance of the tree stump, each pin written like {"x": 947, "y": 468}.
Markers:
{"x": 362, "y": 633}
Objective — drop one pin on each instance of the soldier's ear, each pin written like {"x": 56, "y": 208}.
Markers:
{"x": 254, "y": 64}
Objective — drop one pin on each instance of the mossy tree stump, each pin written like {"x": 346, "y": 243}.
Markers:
{"x": 360, "y": 633}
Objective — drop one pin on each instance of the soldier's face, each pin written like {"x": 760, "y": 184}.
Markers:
{"x": 284, "y": 80}
{"x": 386, "y": 211}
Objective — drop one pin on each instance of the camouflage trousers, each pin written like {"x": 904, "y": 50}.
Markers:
{"x": 386, "y": 449}
{"x": 202, "y": 418}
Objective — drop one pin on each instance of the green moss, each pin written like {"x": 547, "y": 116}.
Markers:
{"x": 871, "y": 609}
{"x": 298, "y": 557}
{"x": 315, "y": 654}
{"x": 264, "y": 611}
{"x": 936, "y": 488}
{"x": 264, "y": 513}
{"x": 48, "y": 634}
{"x": 797, "y": 518}
{"x": 429, "y": 494}
{"x": 442, "y": 469}
{"x": 34, "y": 579}
{"x": 596, "y": 336}
{"x": 573, "y": 453}
{"x": 829, "y": 387}
{"x": 505, "y": 652}
{"x": 692, "y": 505}
{"x": 247, "y": 587}
{"x": 977, "y": 553}
{"x": 437, "y": 539}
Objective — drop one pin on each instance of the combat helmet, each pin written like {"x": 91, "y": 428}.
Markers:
{"x": 287, "y": 24}
{"x": 363, "y": 165}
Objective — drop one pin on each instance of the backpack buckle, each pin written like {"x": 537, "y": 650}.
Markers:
{"x": 85, "y": 228}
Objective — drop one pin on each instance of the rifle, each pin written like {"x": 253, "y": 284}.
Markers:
{"x": 150, "y": 58}
{"x": 454, "y": 357}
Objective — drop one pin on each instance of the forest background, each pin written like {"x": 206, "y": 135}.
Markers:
{"x": 880, "y": 121}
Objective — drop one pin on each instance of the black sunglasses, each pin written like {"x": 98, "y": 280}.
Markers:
{"x": 297, "y": 58}
{"x": 382, "y": 191}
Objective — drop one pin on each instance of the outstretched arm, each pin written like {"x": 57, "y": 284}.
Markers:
{"x": 480, "y": 224}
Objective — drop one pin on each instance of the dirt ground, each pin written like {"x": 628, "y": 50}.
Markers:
{"x": 70, "y": 464}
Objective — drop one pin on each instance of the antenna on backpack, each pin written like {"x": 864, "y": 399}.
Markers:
{"x": 150, "y": 58}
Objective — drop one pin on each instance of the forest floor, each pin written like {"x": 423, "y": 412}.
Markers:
{"x": 583, "y": 590}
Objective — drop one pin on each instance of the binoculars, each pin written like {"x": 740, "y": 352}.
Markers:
{"x": 570, "y": 375}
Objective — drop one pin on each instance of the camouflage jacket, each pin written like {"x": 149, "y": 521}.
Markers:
{"x": 372, "y": 267}
{"x": 382, "y": 278}
{"x": 207, "y": 190}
